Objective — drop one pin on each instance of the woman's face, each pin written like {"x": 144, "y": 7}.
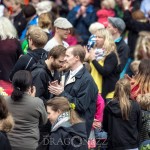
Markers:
{"x": 52, "y": 115}
{"x": 99, "y": 41}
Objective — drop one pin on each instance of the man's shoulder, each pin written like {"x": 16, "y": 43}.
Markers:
{"x": 50, "y": 44}
{"x": 65, "y": 44}
{"x": 122, "y": 45}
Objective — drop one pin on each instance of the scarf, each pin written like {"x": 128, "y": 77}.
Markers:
{"x": 61, "y": 119}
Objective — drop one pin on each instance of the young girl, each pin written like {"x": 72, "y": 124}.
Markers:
{"x": 107, "y": 10}
{"x": 122, "y": 119}
{"x": 68, "y": 130}
{"x": 140, "y": 83}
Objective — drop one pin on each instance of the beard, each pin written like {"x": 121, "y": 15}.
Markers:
{"x": 55, "y": 66}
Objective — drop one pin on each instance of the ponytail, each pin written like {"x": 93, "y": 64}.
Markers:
{"x": 22, "y": 81}
{"x": 17, "y": 94}
{"x": 74, "y": 117}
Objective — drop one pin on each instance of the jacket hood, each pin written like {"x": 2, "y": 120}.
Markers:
{"x": 40, "y": 64}
{"x": 114, "y": 108}
{"x": 38, "y": 54}
{"x": 78, "y": 129}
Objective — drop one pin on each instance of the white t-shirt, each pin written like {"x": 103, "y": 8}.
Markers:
{"x": 52, "y": 43}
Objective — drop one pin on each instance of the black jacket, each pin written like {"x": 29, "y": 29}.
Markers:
{"x": 20, "y": 23}
{"x": 134, "y": 28}
{"x": 4, "y": 142}
{"x": 122, "y": 134}
{"x": 68, "y": 137}
{"x": 110, "y": 73}
{"x": 123, "y": 53}
{"x": 41, "y": 78}
{"x": 25, "y": 62}
{"x": 82, "y": 91}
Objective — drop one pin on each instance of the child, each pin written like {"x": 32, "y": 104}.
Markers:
{"x": 93, "y": 29}
{"x": 134, "y": 66}
{"x": 122, "y": 119}
{"x": 106, "y": 11}
{"x": 98, "y": 118}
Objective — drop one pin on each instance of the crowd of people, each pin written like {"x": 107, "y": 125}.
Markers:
{"x": 74, "y": 74}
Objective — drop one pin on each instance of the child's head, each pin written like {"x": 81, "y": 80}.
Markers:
{"x": 95, "y": 26}
{"x": 134, "y": 66}
{"x": 108, "y": 4}
{"x": 144, "y": 101}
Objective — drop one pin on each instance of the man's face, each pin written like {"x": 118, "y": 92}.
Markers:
{"x": 111, "y": 28}
{"x": 70, "y": 59}
{"x": 58, "y": 63}
{"x": 63, "y": 33}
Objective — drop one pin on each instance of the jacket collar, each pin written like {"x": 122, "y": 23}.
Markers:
{"x": 77, "y": 76}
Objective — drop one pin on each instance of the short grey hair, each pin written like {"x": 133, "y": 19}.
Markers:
{"x": 7, "y": 30}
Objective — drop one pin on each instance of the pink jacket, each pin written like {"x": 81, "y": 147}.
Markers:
{"x": 99, "y": 108}
{"x": 103, "y": 15}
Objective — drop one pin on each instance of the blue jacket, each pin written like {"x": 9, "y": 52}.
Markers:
{"x": 31, "y": 22}
{"x": 82, "y": 24}
{"x": 82, "y": 91}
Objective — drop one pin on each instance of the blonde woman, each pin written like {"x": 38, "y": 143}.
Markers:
{"x": 67, "y": 127}
{"x": 104, "y": 63}
{"x": 45, "y": 22}
{"x": 122, "y": 119}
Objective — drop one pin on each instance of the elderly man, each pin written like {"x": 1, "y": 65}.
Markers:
{"x": 79, "y": 86}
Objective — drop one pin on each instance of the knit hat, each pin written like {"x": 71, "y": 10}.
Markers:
{"x": 62, "y": 23}
{"x": 118, "y": 23}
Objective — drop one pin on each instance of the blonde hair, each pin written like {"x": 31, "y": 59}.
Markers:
{"x": 142, "y": 44}
{"x": 108, "y": 4}
{"x": 95, "y": 26}
{"x": 122, "y": 94}
{"x": 109, "y": 44}
{"x": 45, "y": 21}
{"x": 39, "y": 37}
{"x": 6, "y": 120}
{"x": 134, "y": 66}
{"x": 144, "y": 101}
{"x": 62, "y": 104}
{"x": 7, "y": 30}
{"x": 142, "y": 79}
{"x": 7, "y": 124}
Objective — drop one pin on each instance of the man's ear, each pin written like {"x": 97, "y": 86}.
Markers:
{"x": 51, "y": 58}
{"x": 77, "y": 57}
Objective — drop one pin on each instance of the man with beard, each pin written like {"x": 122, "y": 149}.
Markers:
{"x": 45, "y": 71}
{"x": 62, "y": 30}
